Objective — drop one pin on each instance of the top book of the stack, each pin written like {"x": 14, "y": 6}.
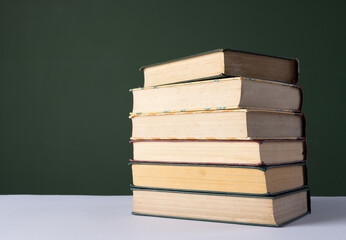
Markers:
{"x": 222, "y": 63}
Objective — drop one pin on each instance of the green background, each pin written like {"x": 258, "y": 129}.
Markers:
{"x": 66, "y": 68}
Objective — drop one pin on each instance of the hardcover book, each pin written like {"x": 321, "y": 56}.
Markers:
{"x": 222, "y": 63}
{"x": 268, "y": 180}
{"x": 228, "y": 93}
{"x": 219, "y": 124}
{"x": 263, "y": 210}
{"x": 236, "y": 152}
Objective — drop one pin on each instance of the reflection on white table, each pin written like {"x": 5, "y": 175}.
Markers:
{"x": 39, "y": 217}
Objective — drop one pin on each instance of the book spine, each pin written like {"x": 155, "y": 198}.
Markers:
{"x": 297, "y": 70}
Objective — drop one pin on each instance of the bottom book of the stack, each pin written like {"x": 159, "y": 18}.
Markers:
{"x": 267, "y": 210}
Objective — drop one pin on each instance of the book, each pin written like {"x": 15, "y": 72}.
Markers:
{"x": 272, "y": 211}
{"x": 220, "y": 136}
{"x": 267, "y": 180}
{"x": 236, "y": 152}
{"x": 222, "y": 63}
{"x": 219, "y": 124}
{"x": 228, "y": 93}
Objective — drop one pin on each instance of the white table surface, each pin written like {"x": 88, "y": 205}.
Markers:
{"x": 26, "y": 217}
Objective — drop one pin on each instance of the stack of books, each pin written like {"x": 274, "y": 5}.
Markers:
{"x": 220, "y": 136}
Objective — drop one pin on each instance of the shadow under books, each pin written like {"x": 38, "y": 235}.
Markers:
{"x": 324, "y": 210}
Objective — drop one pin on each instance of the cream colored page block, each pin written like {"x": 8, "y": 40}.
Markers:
{"x": 276, "y": 152}
{"x": 290, "y": 207}
{"x": 196, "y": 125}
{"x": 261, "y": 67}
{"x": 222, "y": 179}
{"x": 188, "y": 97}
{"x": 208, "y": 65}
{"x": 280, "y": 179}
{"x": 273, "y": 125}
{"x": 208, "y": 207}
{"x": 265, "y": 94}
{"x": 197, "y": 152}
